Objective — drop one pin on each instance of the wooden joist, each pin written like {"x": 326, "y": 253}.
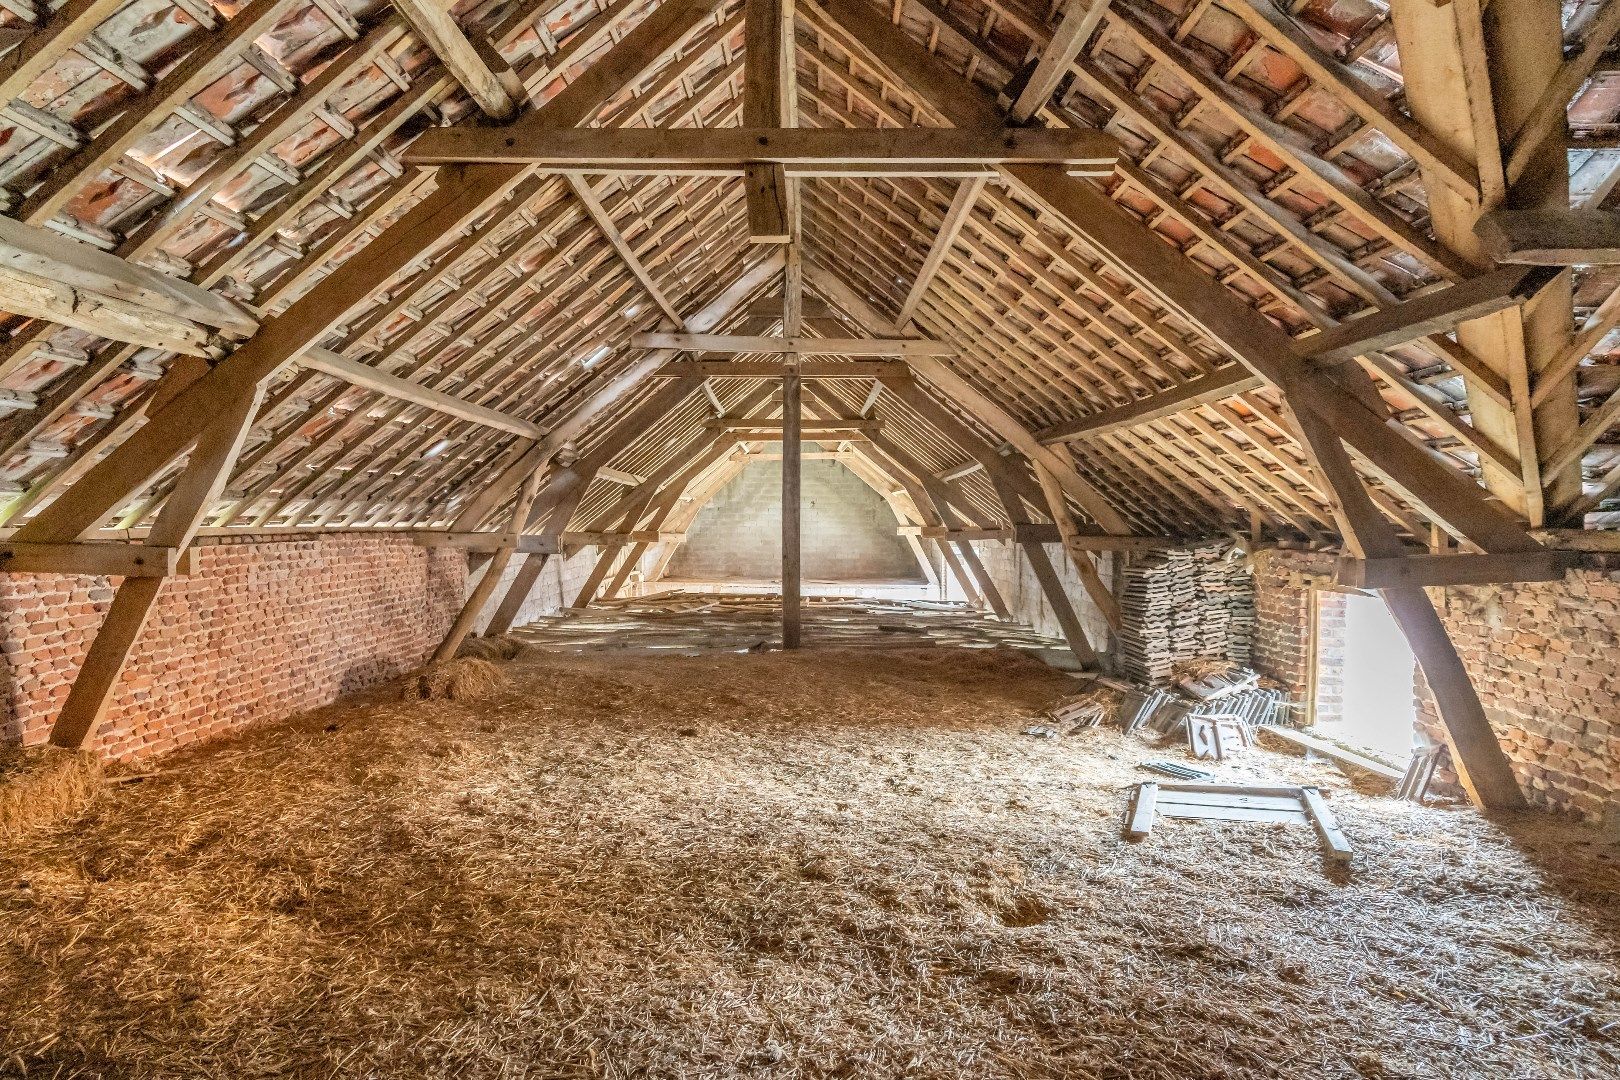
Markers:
{"x": 725, "y": 151}
{"x": 1080, "y": 20}
{"x": 1218, "y": 385}
{"x": 109, "y": 559}
{"x": 358, "y": 373}
{"x": 792, "y": 346}
{"x": 758, "y": 369}
{"x": 1552, "y": 236}
{"x": 1436, "y": 312}
{"x": 732, "y": 423}
{"x": 488, "y": 79}
{"x": 47, "y": 276}
{"x": 1423, "y": 571}
{"x": 527, "y": 544}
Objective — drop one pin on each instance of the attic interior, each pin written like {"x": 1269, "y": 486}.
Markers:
{"x": 809, "y": 538}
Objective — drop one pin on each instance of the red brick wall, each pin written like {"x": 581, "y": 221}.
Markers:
{"x": 260, "y": 631}
{"x": 1545, "y": 659}
{"x": 1282, "y": 601}
{"x": 1330, "y": 656}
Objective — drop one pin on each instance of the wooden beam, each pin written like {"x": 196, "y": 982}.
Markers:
{"x": 1426, "y": 571}
{"x": 792, "y": 558}
{"x": 196, "y": 489}
{"x": 1473, "y": 79}
{"x": 1481, "y": 763}
{"x": 479, "y": 598}
{"x": 976, "y": 404}
{"x": 1080, "y": 20}
{"x": 1147, "y": 261}
{"x": 967, "y": 469}
{"x": 1437, "y": 312}
{"x": 967, "y": 193}
{"x": 1041, "y": 565}
{"x": 610, "y": 231}
{"x": 46, "y": 276}
{"x": 101, "y": 559}
{"x": 1438, "y": 159}
{"x": 1217, "y": 385}
{"x": 604, "y": 398}
{"x": 49, "y": 40}
{"x": 782, "y": 425}
{"x": 1079, "y": 557}
{"x": 1549, "y": 116}
{"x": 619, "y": 539}
{"x": 768, "y": 103}
{"x": 357, "y": 373}
{"x": 534, "y": 544}
{"x": 488, "y": 79}
{"x": 143, "y": 112}
{"x": 757, "y": 369}
{"x": 1551, "y": 236}
{"x": 1081, "y": 152}
{"x": 793, "y": 346}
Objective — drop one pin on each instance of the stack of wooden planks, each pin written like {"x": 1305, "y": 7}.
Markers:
{"x": 703, "y": 622}
{"x": 1183, "y": 605}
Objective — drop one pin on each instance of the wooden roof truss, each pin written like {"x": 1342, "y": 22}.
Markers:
{"x": 327, "y": 265}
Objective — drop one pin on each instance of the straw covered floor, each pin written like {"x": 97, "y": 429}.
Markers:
{"x": 846, "y": 863}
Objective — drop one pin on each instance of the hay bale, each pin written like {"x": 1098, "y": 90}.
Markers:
{"x": 41, "y": 785}
{"x": 462, "y": 679}
{"x": 499, "y": 647}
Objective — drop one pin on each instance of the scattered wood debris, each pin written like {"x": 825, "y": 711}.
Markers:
{"x": 689, "y": 622}
{"x": 1216, "y": 735}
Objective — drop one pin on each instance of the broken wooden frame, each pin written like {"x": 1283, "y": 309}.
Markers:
{"x": 1236, "y": 802}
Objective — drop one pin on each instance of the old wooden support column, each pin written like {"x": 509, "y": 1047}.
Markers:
{"x": 199, "y": 484}
{"x": 1481, "y": 764}
{"x": 770, "y": 100}
{"x": 791, "y": 568}
{"x": 1473, "y": 80}
{"x": 474, "y": 607}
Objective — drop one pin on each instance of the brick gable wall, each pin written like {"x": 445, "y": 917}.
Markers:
{"x": 1544, "y": 657}
{"x": 260, "y": 631}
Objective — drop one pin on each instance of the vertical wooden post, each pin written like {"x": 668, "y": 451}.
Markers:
{"x": 791, "y": 584}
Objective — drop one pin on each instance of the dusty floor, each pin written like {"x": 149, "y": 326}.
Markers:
{"x": 843, "y": 864}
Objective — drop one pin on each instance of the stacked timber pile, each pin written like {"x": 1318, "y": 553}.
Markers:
{"x": 1184, "y": 605}
{"x": 699, "y": 622}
